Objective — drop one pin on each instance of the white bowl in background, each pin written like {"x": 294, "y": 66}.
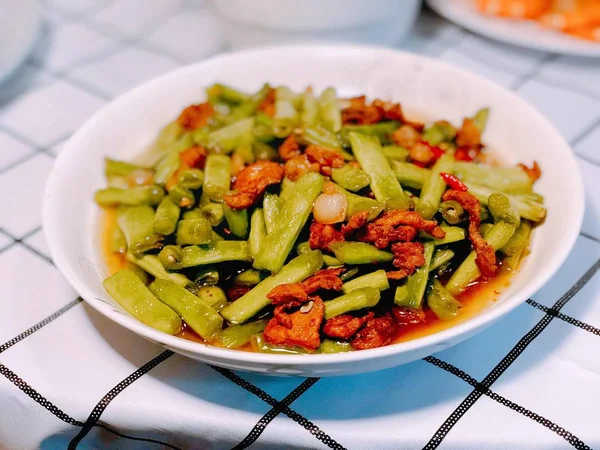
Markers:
{"x": 261, "y": 22}
{"x": 127, "y": 126}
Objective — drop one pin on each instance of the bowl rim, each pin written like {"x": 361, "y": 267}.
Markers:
{"x": 471, "y": 325}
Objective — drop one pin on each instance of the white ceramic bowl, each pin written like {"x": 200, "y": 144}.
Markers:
{"x": 125, "y": 127}
{"x": 265, "y": 22}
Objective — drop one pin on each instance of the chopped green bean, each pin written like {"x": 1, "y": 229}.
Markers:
{"x": 213, "y": 296}
{"x": 166, "y": 217}
{"x": 191, "y": 179}
{"x": 329, "y": 111}
{"x": 359, "y": 253}
{"x": 169, "y": 163}
{"x": 239, "y": 335}
{"x": 134, "y": 196}
{"x": 115, "y": 168}
{"x": 298, "y": 269}
{"x": 310, "y": 109}
{"x": 258, "y": 232}
{"x": 384, "y": 183}
{"x": 129, "y": 292}
{"x": 328, "y": 346}
{"x": 213, "y": 212}
{"x": 272, "y": 205}
{"x": 452, "y": 212}
{"x": 358, "y": 203}
{"x": 169, "y": 135}
{"x": 382, "y": 131}
{"x": 250, "y": 277}
{"x": 440, "y": 257}
{"x": 193, "y": 232}
{"x": 409, "y": 175}
{"x": 137, "y": 226}
{"x": 206, "y": 276}
{"x": 434, "y": 187}
{"x": 199, "y": 316}
{"x": 215, "y": 252}
{"x": 453, "y": 234}
{"x": 412, "y": 292}
{"x": 513, "y": 180}
{"x": 439, "y": 132}
{"x": 442, "y": 303}
{"x": 351, "y": 178}
{"x": 217, "y": 176}
{"x": 377, "y": 280}
{"x": 264, "y": 347}
{"x": 228, "y": 138}
{"x": 287, "y": 187}
{"x": 501, "y": 209}
{"x": 395, "y": 153}
{"x": 118, "y": 243}
{"x": 237, "y": 221}
{"x": 152, "y": 265}
{"x": 264, "y": 152}
{"x": 361, "y": 298}
{"x": 526, "y": 207}
{"x": 182, "y": 196}
{"x": 290, "y": 221}
{"x": 286, "y": 116}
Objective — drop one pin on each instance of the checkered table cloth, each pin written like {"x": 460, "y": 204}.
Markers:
{"x": 70, "y": 377}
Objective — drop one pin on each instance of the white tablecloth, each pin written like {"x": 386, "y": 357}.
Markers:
{"x": 69, "y": 376}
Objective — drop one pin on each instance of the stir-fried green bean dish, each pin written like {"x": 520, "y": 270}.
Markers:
{"x": 279, "y": 221}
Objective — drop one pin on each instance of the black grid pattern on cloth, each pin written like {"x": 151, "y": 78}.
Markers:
{"x": 568, "y": 436}
{"x": 274, "y": 412}
{"x": 110, "y": 396}
{"x": 283, "y": 405}
{"x": 304, "y": 422}
{"x": 505, "y": 363}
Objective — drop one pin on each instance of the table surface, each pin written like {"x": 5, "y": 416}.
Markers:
{"x": 69, "y": 376}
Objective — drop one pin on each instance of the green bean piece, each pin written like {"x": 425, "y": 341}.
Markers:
{"x": 442, "y": 303}
{"x": 198, "y": 315}
{"x": 517, "y": 249}
{"x": 349, "y": 274}
{"x": 361, "y": 298}
{"x": 382, "y": 131}
{"x": 395, "y": 153}
{"x": 195, "y": 213}
{"x": 434, "y": 187}
{"x": 118, "y": 243}
{"x": 169, "y": 163}
{"x": 480, "y": 118}
{"x": 222, "y": 93}
{"x": 215, "y": 252}
{"x": 287, "y": 187}
{"x": 310, "y": 109}
{"x": 250, "y": 277}
{"x": 440, "y": 257}
{"x": 117, "y": 182}
{"x": 329, "y": 346}
{"x": 358, "y": 203}
{"x": 166, "y": 217}
{"x": 135, "y": 298}
{"x": 330, "y": 261}
{"x": 485, "y": 228}
{"x": 264, "y": 347}
{"x": 286, "y": 116}
{"x": 412, "y": 292}
{"x": 468, "y": 271}
{"x": 191, "y": 178}
{"x": 298, "y": 269}
{"x": 329, "y": 111}
{"x": 214, "y": 213}
{"x": 321, "y": 137}
{"x": 512, "y": 180}
{"x": 302, "y": 248}
{"x": 264, "y": 152}
{"x": 258, "y": 232}
{"x": 115, "y": 168}
{"x": 518, "y": 241}
{"x": 193, "y": 232}
{"x": 182, "y": 196}
{"x": 237, "y": 221}
{"x": 169, "y": 135}
{"x": 409, "y": 175}
{"x": 290, "y": 221}
{"x": 217, "y": 176}
{"x": 452, "y": 212}
{"x": 439, "y": 132}
{"x": 213, "y": 296}
{"x": 501, "y": 209}
{"x": 139, "y": 272}
{"x": 170, "y": 256}
{"x": 384, "y": 183}
{"x": 137, "y": 226}
{"x": 377, "y": 280}
{"x": 526, "y": 207}
{"x": 134, "y": 196}
{"x": 206, "y": 276}
{"x": 239, "y": 335}
{"x": 359, "y": 253}
{"x": 229, "y": 137}
{"x": 453, "y": 234}
{"x": 351, "y": 178}
{"x": 153, "y": 265}
{"x": 245, "y": 151}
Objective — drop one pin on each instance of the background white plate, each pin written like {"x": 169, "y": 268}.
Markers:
{"x": 19, "y": 25}
{"x": 521, "y": 33}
